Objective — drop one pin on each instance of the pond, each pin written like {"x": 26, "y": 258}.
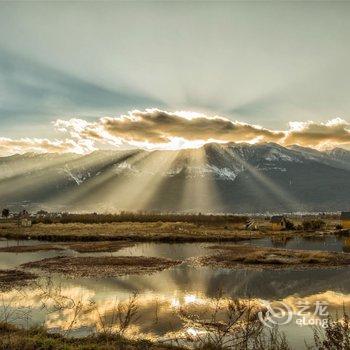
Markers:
{"x": 55, "y": 301}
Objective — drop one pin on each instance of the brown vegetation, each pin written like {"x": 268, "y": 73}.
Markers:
{"x": 13, "y": 338}
{"x": 335, "y": 336}
{"x": 13, "y": 278}
{"x": 148, "y": 227}
{"x": 96, "y": 247}
{"x": 313, "y": 225}
{"x": 94, "y": 218}
{"x": 132, "y": 231}
{"x": 102, "y": 266}
{"x": 80, "y": 247}
{"x": 262, "y": 257}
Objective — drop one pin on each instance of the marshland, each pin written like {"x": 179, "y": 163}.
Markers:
{"x": 198, "y": 282}
{"x": 174, "y": 175}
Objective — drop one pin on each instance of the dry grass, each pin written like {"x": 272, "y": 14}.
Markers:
{"x": 99, "y": 218}
{"x": 14, "y": 278}
{"x": 158, "y": 227}
{"x": 80, "y": 247}
{"x": 13, "y": 338}
{"x": 96, "y": 247}
{"x": 134, "y": 231}
{"x": 102, "y": 266}
{"x": 232, "y": 256}
{"x": 160, "y": 231}
{"x": 31, "y": 248}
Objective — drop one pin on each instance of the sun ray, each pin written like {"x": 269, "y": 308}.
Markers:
{"x": 86, "y": 192}
{"x": 286, "y": 198}
{"x": 101, "y": 193}
{"x": 199, "y": 190}
{"x": 135, "y": 191}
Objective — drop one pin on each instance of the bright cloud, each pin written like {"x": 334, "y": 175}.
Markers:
{"x": 157, "y": 129}
{"x": 154, "y": 128}
{"x": 12, "y": 146}
{"x": 319, "y": 135}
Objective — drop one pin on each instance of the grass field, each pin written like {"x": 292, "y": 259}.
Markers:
{"x": 36, "y": 338}
{"x": 264, "y": 257}
{"x": 134, "y": 231}
{"x": 148, "y": 231}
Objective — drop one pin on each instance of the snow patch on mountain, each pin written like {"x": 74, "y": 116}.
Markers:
{"x": 278, "y": 155}
{"x": 205, "y": 170}
{"x": 78, "y": 178}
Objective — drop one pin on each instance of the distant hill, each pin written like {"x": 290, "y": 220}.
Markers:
{"x": 215, "y": 178}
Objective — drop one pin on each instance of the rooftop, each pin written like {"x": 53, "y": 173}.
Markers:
{"x": 277, "y": 218}
{"x": 345, "y": 215}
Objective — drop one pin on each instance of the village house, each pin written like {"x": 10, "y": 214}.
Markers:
{"x": 23, "y": 219}
{"x": 278, "y": 222}
{"x": 345, "y": 219}
{"x": 26, "y": 222}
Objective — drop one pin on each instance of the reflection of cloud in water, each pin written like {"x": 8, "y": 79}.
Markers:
{"x": 333, "y": 299}
{"x": 157, "y": 312}
{"x": 266, "y": 284}
{"x": 160, "y": 295}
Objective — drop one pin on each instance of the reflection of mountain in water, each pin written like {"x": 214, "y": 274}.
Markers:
{"x": 266, "y": 284}
{"x": 191, "y": 288}
{"x": 269, "y": 284}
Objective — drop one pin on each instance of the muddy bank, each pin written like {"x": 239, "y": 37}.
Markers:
{"x": 263, "y": 257}
{"x": 80, "y": 247}
{"x": 102, "y": 266}
{"x": 14, "y": 278}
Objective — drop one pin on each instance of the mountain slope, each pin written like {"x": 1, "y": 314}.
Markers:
{"x": 214, "y": 178}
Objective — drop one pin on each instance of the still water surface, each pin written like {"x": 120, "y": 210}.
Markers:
{"x": 160, "y": 295}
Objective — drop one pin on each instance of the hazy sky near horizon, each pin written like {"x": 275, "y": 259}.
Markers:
{"x": 264, "y": 63}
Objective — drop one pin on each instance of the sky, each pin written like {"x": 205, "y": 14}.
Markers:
{"x": 79, "y": 76}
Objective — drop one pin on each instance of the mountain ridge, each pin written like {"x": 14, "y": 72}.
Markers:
{"x": 217, "y": 177}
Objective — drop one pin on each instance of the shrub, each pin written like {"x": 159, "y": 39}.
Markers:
{"x": 5, "y": 212}
{"x": 336, "y": 334}
{"x": 93, "y": 218}
{"x": 312, "y": 225}
{"x": 290, "y": 225}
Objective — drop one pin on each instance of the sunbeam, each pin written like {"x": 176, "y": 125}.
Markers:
{"x": 90, "y": 191}
{"x": 282, "y": 195}
{"x": 134, "y": 191}
{"x": 199, "y": 192}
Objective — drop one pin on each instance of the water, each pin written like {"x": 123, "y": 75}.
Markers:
{"x": 11, "y": 242}
{"x": 161, "y": 295}
{"x": 325, "y": 243}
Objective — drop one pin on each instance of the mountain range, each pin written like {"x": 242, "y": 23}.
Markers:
{"x": 216, "y": 178}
